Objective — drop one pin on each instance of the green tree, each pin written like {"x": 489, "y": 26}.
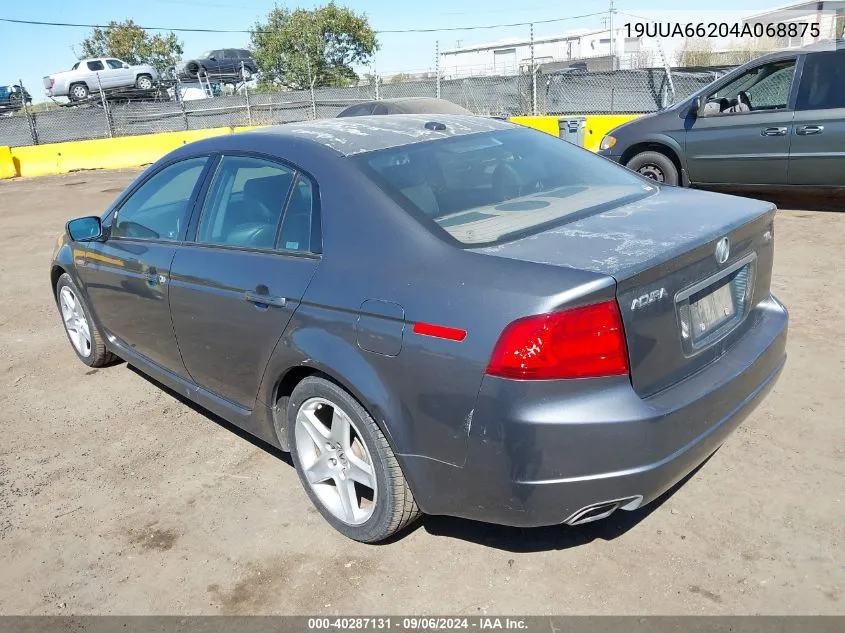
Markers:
{"x": 303, "y": 49}
{"x": 130, "y": 43}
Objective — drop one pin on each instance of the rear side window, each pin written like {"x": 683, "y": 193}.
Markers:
{"x": 496, "y": 186}
{"x": 298, "y": 230}
{"x": 96, "y": 65}
{"x": 823, "y": 82}
{"x": 359, "y": 110}
{"x": 158, "y": 209}
{"x": 245, "y": 204}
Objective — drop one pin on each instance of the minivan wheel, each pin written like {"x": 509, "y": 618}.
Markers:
{"x": 655, "y": 166}
{"x": 346, "y": 464}
{"x": 82, "y": 332}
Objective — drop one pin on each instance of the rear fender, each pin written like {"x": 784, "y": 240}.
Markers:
{"x": 317, "y": 339}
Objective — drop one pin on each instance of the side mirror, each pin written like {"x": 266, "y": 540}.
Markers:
{"x": 85, "y": 229}
{"x": 695, "y": 107}
{"x": 212, "y": 58}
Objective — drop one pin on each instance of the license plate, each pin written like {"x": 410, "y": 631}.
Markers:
{"x": 712, "y": 310}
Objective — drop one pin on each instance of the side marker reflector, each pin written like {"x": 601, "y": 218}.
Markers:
{"x": 440, "y": 331}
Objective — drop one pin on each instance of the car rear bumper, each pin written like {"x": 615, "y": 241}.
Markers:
{"x": 542, "y": 452}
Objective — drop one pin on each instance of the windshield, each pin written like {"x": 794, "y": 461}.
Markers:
{"x": 494, "y": 187}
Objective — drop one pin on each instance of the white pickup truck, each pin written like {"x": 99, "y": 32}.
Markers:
{"x": 88, "y": 75}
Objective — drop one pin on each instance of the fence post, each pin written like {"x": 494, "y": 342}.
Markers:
{"x": 437, "y": 64}
{"x": 177, "y": 87}
{"x": 105, "y": 107}
{"x": 533, "y": 75}
{"x": 246, "y": 92}
{"x": 30, "y": 118}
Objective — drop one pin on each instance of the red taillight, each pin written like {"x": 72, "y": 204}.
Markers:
{"x": 584, "y": 342}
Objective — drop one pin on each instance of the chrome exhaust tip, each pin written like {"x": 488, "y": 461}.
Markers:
{"x": 603, "y": 509}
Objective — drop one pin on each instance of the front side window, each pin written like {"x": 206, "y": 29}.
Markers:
{"x": 114, "y": 64}
{"x": 96, "y": 65}
{"x": 765, "y": 87}
{"x": 823, "y": 82}
{"x": 159, "y": 209}
{"x": 245, "y": 203}
{"x": 497, "y": 186}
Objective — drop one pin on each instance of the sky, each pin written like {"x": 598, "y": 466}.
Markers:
{"x": 30, "y": 52}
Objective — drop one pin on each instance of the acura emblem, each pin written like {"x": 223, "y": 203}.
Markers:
{"x": 723, "y": 250}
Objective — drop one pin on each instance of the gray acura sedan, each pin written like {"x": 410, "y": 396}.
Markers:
{"x": 436, "y": 314}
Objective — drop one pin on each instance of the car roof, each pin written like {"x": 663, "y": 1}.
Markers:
{"x": 356, "y": 135}
{"x": 817, "y": 47}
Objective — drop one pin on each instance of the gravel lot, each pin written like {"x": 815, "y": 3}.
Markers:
{"x": 117, "y": 497}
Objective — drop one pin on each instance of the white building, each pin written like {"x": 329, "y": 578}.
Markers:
{"x": 601, "y": 51}
{"x": 829, "y": 16}
{"x": 509, "y": 56}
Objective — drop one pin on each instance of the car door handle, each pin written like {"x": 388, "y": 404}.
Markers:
{"x": 262, "y": 298}
{"x": 806, "y": 130}
{"x": 774, "y": 131}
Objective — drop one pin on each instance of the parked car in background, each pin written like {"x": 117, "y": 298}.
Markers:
{"x": 13, "y": 97}
{"x": 221, "y": 63}
{"x": 404, "y": 105}
{"x": 777, "y": 121}
{"x": 89, "y": 75}
{"x": 439, "y": 313}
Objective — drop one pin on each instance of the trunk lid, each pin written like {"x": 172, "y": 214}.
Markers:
{"x": 682, "y": 303}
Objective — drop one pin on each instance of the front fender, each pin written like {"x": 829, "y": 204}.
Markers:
{"x": 65, "y": 255}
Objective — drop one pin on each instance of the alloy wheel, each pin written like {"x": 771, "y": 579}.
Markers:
{"x": 75, "y": 321}
{"x": 335, "y": 460}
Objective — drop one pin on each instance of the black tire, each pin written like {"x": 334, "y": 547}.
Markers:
{"x": 655, "y": 166}
{"x": 78, "y": 92}
{"x": 395, "y": 507}
{"x": 143, "y": 79}
{"x": 96, "y": 354}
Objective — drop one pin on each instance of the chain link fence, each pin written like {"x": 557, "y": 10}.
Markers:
{"x": 579, "y": 93}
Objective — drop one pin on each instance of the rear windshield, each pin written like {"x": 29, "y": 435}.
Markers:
{"x": 495, "y": 187}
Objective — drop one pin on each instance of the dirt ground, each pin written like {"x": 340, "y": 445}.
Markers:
{"x": 116, "y": 497}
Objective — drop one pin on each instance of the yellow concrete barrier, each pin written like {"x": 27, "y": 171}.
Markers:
{"x": 547, "y": 124}
{"x": 598, "y": 125}
{"x": 7, "y": 165}
{"x": 107, "y": 153}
